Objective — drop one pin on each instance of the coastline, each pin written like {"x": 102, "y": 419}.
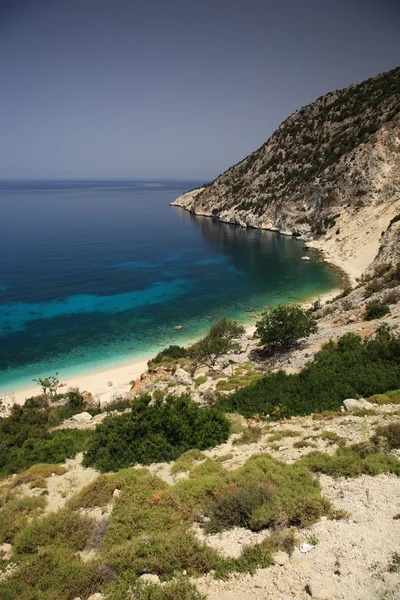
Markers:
{"x": 114, "y": 381}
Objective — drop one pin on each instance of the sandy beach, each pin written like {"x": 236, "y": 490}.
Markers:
{"x": 109, "y": 384}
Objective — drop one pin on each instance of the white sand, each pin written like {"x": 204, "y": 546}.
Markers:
{"x": 95, "y": 382}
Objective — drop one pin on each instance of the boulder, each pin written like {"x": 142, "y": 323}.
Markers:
{"x": 89, "y": 399}
{"x": 239, "y": 359}
{"x": 97, "y": 596}
{"x": 6, "y": 551}
{"x": 305, "y": 258}
{"x": 83, "y": 417}
{"x": 183, "y": 377}
{"x": 322, "y": 589}
{"x": 150, "y": 578}
{"x": 351, "y": 404}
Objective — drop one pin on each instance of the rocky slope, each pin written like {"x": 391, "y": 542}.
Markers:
{"x": 330, "y": 172}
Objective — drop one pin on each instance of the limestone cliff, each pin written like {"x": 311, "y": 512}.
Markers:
{"x": 330, "y": 172}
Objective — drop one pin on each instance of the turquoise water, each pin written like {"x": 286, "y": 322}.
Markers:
{"x": 94, "y": 274}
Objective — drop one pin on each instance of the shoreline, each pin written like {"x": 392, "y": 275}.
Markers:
{"x": 110, "y": 383}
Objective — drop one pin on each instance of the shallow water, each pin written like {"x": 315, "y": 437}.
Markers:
{"x": 93, "y": 274}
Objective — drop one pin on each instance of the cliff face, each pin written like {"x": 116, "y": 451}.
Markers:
{"x": 330, "y": 172}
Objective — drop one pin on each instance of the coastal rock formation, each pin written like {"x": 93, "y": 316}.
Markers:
{"x": 330, "y": 172}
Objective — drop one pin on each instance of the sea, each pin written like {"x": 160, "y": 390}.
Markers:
{"x": 95, "y": 274}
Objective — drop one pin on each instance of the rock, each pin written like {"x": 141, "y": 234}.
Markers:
{"x": 239, "y": 359}
{"x": 178, "y": 327}
{"x": 280, "y": 558}
{"x": 351, "y": 404}
{"x": 150, "y": 578}
{"x": 97, "y": 596}
{"x": 116, "y": 493}
{"x": 305, "y": 258}
{"x": 183, "y": 377}
{"x": 6, "y": 551}
{"x": 83, "y": 417}
{"x": 322, "y": 589}
{"x": 89, "y": 399}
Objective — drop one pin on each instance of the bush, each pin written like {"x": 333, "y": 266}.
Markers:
{"x": 168, "y": 355}
{"x": 375, "y": 310}
{"x": 281, "y": 327}
{"x": 218, "y": 342}
{"x": 351, "y": 461}
{"x": 348, "y": 368}
{"x": 265, "y": 493}
{"x": 155, "y": 433}
{"x": 391, "y": 433}
{"x": 67, "y": 528}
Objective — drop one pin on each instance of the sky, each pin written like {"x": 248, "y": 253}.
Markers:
{"x": 155, "y": 89}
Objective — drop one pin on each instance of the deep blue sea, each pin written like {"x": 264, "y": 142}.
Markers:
{"x": 95, "y": 273}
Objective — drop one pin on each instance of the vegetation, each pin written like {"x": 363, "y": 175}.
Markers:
{"x": 168, "y": 356}
{"x": 48, "y": 384}
{"x": 220, "y": 340}
{"x": 352, "y": 461}
{"x": 375, "y": 310}
{"x": 348, "y": 368}
{"x": 281, "y": 327}
{"x": 154, "y": 433}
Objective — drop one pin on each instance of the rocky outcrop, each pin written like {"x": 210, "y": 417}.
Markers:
{"x": 330, "y": 172}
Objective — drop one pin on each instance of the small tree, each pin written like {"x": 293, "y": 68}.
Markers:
{"x": 281, "y": 327}
{"x": 220, "y": 340}
{"x": 48, "y": 384}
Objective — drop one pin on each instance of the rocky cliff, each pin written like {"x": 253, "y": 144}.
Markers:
{"x": 330, "y": 172}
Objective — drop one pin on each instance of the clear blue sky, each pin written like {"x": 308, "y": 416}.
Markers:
{"x": 172, "y": 89}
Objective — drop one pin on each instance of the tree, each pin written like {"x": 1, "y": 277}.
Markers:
{"x": 281, "y": 327}
{"x": 48, "y": 384}
{"x": 220, "y": 340}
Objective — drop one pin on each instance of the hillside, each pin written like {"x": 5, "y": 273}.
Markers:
{"x": 330, "y": 172}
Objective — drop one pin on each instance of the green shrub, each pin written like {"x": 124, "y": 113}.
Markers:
{"x": 186, "y": 461}
{"x": 172, "y": 354}
{"x": 37, "y": 472}
{"x": 25, "y": 439}
{"x": 178, "y": 589}
{"x": 65, "y": 527}
{"x": 264, "y": 492}
{"x": 391, "y": 433}
{"x": 52, "y": 574}
{"x": 282, "y": 326}
{"x": 155, "y": 433}
{"x": 280, "y": 435}
{"x": 200, "y": 380}
{"x": 251, "y": 435}
{"x": 15, "y": 512}
{"x": 351, "y": 462}
{"x": 379, "y": 399}
{"x": 348, "y": 368}
{"x": 375, "y": 310}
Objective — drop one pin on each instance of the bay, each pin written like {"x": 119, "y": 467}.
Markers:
{"x": 98, "y": 273}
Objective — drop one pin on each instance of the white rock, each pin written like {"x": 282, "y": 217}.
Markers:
{"x": 305, "y": 258}
{"x": 182, "y": 376}
{"x": 83, "y": 417}
{"x": 96, "y": 596}
{"x": 353, "y": 404}
{"x": 116, "y": 493}
{"x": 6, "y": 551}
{"x": 150, "y": 578}
{"x": 280, "y": 558}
